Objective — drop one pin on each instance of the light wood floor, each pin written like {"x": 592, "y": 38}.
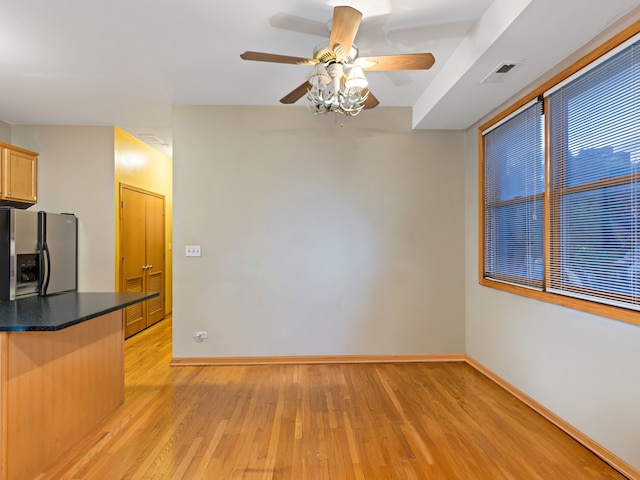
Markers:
{"x": 334, "y": 422}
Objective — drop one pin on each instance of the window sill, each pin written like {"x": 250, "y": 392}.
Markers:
{"x": 615, "y": 313}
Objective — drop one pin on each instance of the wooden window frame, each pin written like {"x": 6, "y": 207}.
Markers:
{"x": 609, "y": 311}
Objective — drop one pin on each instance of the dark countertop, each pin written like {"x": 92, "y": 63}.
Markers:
{"x": 55, "y": 312}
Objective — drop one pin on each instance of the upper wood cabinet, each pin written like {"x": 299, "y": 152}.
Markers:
{"x": 19, "y": 173}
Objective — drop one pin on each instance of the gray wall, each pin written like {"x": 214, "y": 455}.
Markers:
{"x": 76, "y": 174}
{"x": 5, "y": 132}
{"x": 316, "y": 239}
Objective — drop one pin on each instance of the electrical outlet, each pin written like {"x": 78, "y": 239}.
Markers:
{"x": 200, "y": 336}
{"x": 192, "y": 251}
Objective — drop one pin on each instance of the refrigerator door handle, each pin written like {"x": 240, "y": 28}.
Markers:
{"x": 45, "y": 256}
{"x": 47, "y": 276}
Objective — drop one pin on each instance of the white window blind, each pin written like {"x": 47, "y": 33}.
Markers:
{"x": 594, "y": 152}
{"x": 514, "y": 185}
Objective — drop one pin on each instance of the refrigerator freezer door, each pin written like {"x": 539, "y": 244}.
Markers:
{"x": 25, "y": 233}
{"x": 61, "y": 252}
{"x": 25, "y": 257}
{"x": 18, "y": 244}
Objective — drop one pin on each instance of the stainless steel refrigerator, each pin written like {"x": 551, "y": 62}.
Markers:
{"x": 38, "y": 253}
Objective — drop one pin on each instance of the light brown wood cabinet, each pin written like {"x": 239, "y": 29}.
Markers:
{"x": 18, "y": 176}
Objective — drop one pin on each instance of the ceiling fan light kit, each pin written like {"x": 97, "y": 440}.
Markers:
{"x": 337, "y": 83}
{"x": 328, "y": 92}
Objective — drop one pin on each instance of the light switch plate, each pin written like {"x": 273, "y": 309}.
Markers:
{"x": 192, "y": 251}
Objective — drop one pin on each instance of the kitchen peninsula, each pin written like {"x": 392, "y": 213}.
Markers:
{"x": 61, "y": 373}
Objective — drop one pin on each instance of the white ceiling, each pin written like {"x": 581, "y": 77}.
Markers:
{"x": 126, "y": 62}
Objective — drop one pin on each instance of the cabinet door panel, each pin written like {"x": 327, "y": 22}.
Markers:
{"x": 21, "y": 176}
{"x": 132, "y": 211}
{"x": 154, "y": 228}
{"x": 155, "y": 310}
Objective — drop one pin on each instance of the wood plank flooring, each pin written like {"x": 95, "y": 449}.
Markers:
{"x": 336, "y": 422}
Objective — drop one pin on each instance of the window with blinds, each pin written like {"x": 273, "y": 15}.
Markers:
{"x": 513, "y": 194}
{"x": 594, "y": 150}
{"x": 575, "y": 234}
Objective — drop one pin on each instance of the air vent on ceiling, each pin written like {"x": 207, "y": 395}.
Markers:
{"x": 150, "y": 138}
{"x": 499, "y": 73}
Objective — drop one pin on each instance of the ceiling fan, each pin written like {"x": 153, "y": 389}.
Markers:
{"x": 337, "y": 83}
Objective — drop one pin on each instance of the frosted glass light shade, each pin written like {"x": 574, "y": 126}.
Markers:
{"x": 319, "y": 76}
{"x": 356, "y": 78}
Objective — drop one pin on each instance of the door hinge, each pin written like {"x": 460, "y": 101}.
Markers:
{"x": 122, "y": 259}
{"x": 122, "y": 204}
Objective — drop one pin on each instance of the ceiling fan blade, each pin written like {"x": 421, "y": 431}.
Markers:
{"x": 271, "y": 57}
{"x": 344, "y": 27}
{"x": 405, "y": 61}
{"x": 296, "y": 94}
{"x": 371, "y": 101}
